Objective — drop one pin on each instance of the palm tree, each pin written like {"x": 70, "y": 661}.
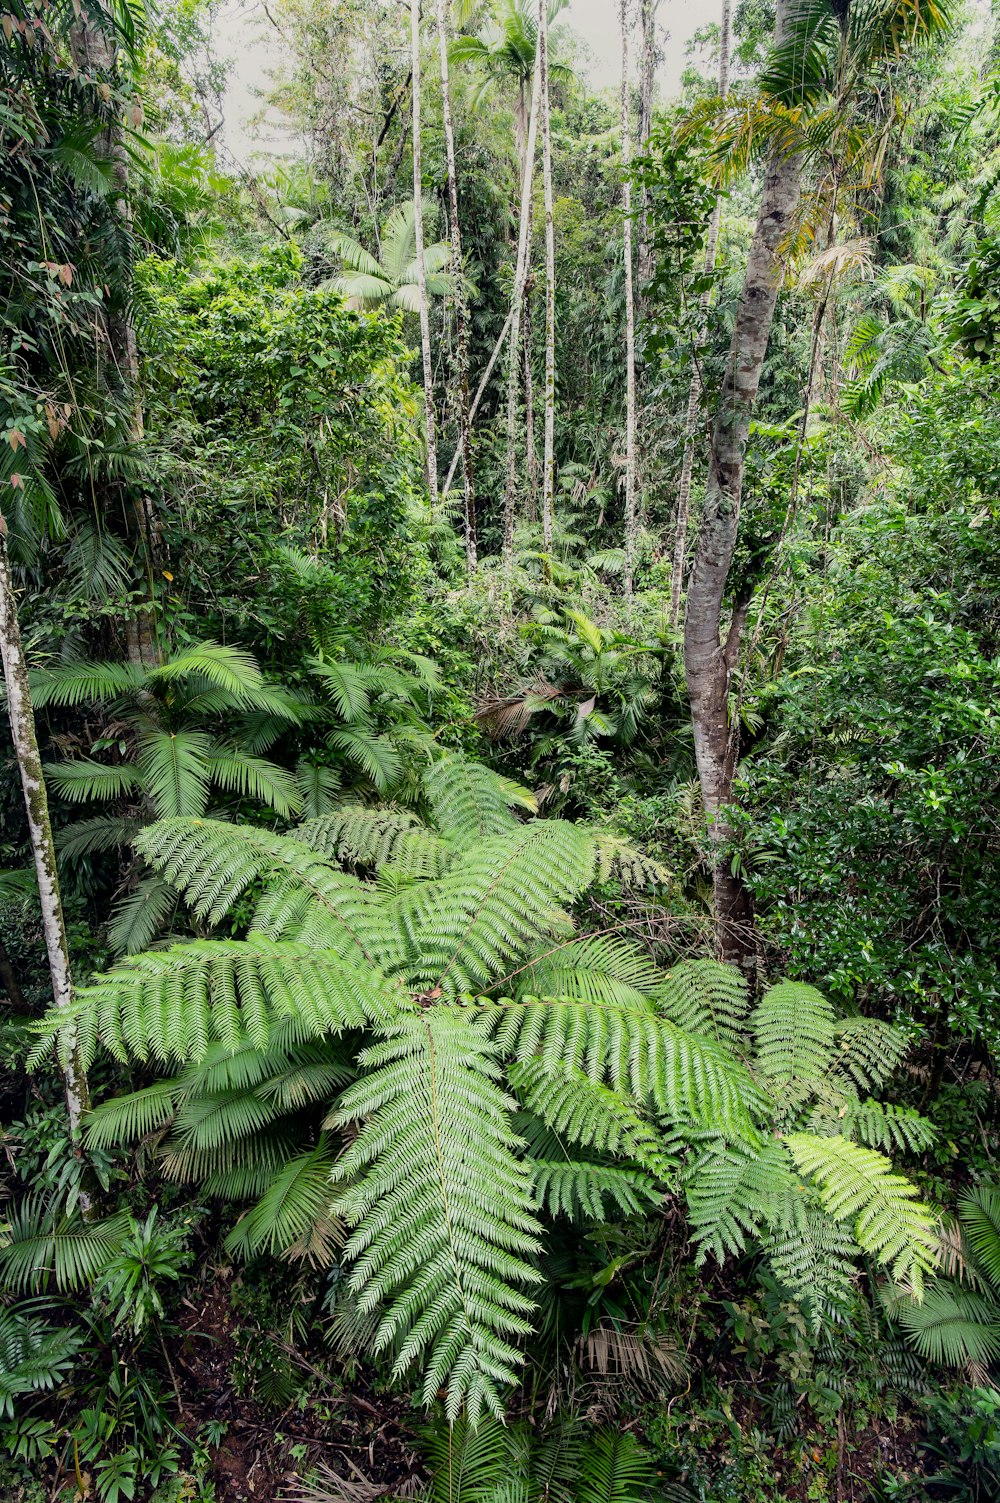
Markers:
{"x": 393, "y": 280}
{"x": 505, "y": 59}
{"x": 630, "y": 418}
{"x": 825, "y": 104}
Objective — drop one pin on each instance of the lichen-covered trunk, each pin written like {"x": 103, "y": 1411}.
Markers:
{"x": 683, "y": 514}
{"x": 36, "y": 804}
{"x": 461, "y": 300}
{"x": 631, "y": 519}
{"x": 647, "y": 77}
{"x": 709, "y": 655}
{"x": 430, "y": 426}
{"x": 548, "y": 452}
{"x": 516, "y": 305}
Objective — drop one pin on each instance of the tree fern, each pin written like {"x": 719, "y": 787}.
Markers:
{"x": 707, "y": 998}
{"x": 293, "y": 1216}
{"x": 794, "y": 1027}
{"x": 857, "y": 1185}
{"x": 469, "y": 802}
{"x": 435, "y": 1146}
{"x": 735, "y": 1196}
{"x": 587, "y": 1114}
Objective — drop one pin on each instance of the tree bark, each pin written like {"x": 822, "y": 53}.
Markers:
{"x": 36, "y": 804}
{"x": 517, "y": 301}
{"x": 418, "y": 232}
{"x": 709, "y": 656}
{"x": 548, "y": 452}
{"x": 694, "y": 394}
{"x": 647, "y": 78}
{"x": 630, "y": 422}
{"x": 461, "y": 301}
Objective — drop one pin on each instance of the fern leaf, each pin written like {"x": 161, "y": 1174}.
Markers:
{"x": 34, "y": 1356}
{"x": 293, "y": 1217}
{"x": 735, "y": 1194}
{"x": 585, "y": 1191}
{"x": 173, "y": 768}
{"x": 880, "y": 1124}
{"x": 470, "y": 802}
{"x": 617, "y": 1470}
{"x": 794, "y": 1028}
{"x": 376, "y": 756}
{"x": 140, "y": 915}
{"x": 596, "y": 969}
{"x": 584, "y": 1112}
{"x": 868, "y": 1051}
{"x": 707, "y": 998}
{"x": 979, "y": 1214}
{"x": 254, "y": 778}
{"x": 857, "y": 1185}
{"x": 79, "y": 683}
{"x": 84, "y": 779}
{"x": 435, "y": 1143}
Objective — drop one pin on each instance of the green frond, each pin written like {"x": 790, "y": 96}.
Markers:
{"x": 171, "y": 1005}
{"x": 587, "y": 1114}
{"x": 880, "y": 1124}
{"x": 951, "y": 1325}
{"x": 443, "y": 1255}
{"x": 707, "y": 998}
{"x": 79, "y": 683}
{"x": 735, "y": 1194}
{"x": 470, "y": 802}
{"x": 84, "y": 778}
{"x": 173, "y": 770}
{"x": 979, "y": 1214}
{"x": 595, "y": 969}
{"x": 126, "y": 1119}
{"x": 226, "y": 668}
{"x": 318, "y": 787}
{"x": 347, "y": 687}
{"x": 293, "y": 1219}
{"x": 104, "y": 832}
{"x": 140, "y": 915}
{"x": 688, "y": 1081}
{"x": 618, "y": 858}
{"x": 888, "y": 1219}
{"x": 814, "y": 1258}
{"x": 585, "y": 1191}
{"x": 868, "y": 1051}
{"x": 34, "y": 1355}
{"x": 254, "y": 778}
{"x": 794, "y": 1027}
{"x": 358, "y": 834}
{"x": 44, "y": 1248}
{"x": 470, "y": 928}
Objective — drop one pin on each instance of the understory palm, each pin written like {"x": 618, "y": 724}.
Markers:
{"x": 369, "y": 281}
{"x": 422, "y": 1060}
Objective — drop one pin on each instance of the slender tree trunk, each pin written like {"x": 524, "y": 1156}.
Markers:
{"x": 36, "y": 804}
{"x": 480, "y": 390}
{"x": 517, "y": 301}
{"x": 548, "y": 453}
{"x": 694, "y": 394}
{"x": 647, "y": 77}
{"x": 530, "y": 452}
{"x": 630, "y": 507}
{"x": 709, "y": 655}
{"x": 418, "y": 231}
{"x": 461, "y": 301}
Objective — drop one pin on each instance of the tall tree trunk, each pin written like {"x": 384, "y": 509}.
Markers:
{"x": 93, "y": 51}
{"x": 530, "y": 452}
{"x": 630, "y": 507}
{"x": 647, "y": 77}
{"x": 683, "y": 516}
{"x": 36, "y": 804}
{"x": 548, "y": 453}
{"x": 480, "y": 391}
{"x": 709, "y": 656}
{"x": 461, "y": 301}
{"x": 418, "y": 232}
{"x": 517, "y": 302}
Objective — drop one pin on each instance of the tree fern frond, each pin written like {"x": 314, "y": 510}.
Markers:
{"x": 794, "y": 1029}
{"x": 707, "y": 998}
{"x": 125, "y": 1119}
{"x": 471, "y": 927}
{"x": 813, "y": 1257}
{"x": 596, "y": 969}
{"x": 104, "y": 832}
{"x": 687, "y": 1080}
{"x": 223, "y": 667}
{"x": 361, "y": 836}
{"x": 880, "y": 1124}
{"x": 34, "y": 1355}
{"x": 376, "y": 756}
{"x": 868, "y": 1051}
{"x": 619, "y": 858}
{"x": 584, "y": 1112}
{"x": 171, "y": 1005}
{"x": 858, "y": 1185}
{"x": 442, "y": 1209}
{"x": 470, "y": 802}
{"x": 735, "y": 1195}
{"x": 585, "y": 1191}
{"x": 318, "y": 787}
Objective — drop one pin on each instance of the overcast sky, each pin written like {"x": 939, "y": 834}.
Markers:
{"x": 253, "y": 51}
